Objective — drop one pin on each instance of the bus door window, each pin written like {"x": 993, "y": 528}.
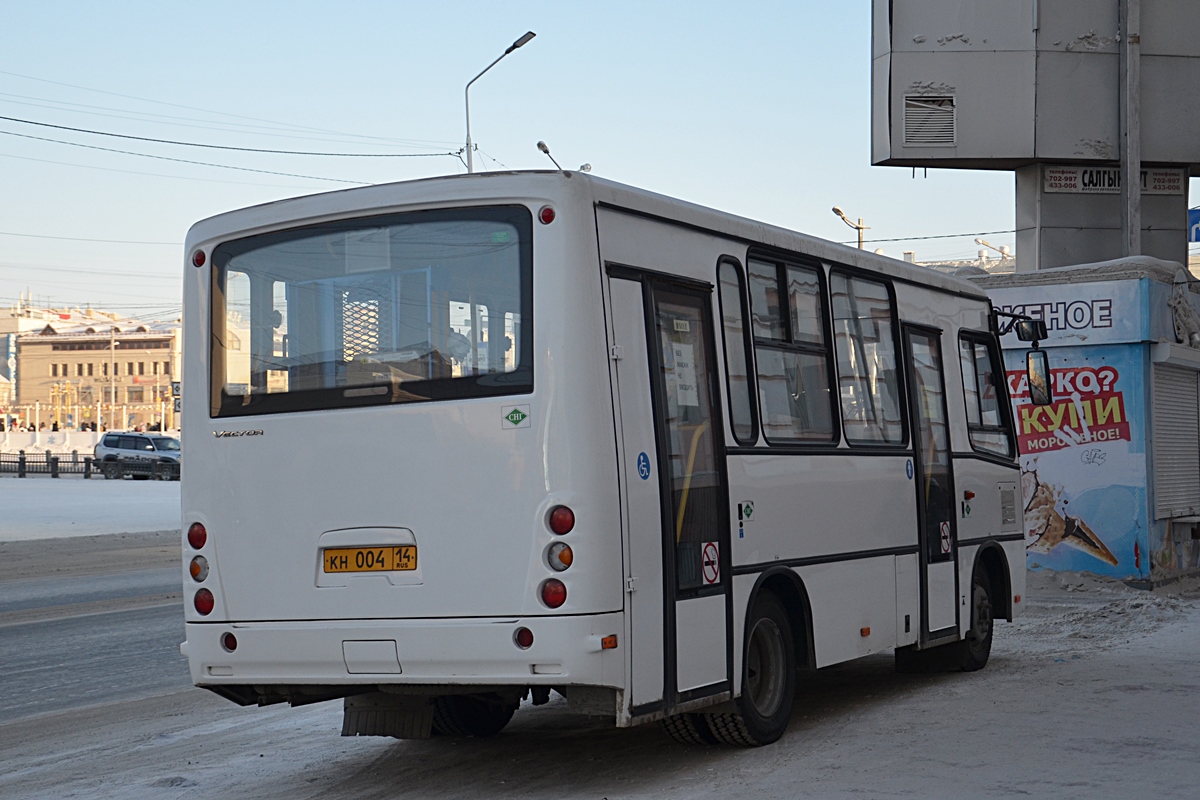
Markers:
{"x": 933, "y": 438}
{"x": 695, "y": 482}
{"x": 868, "y": 381}
{"x": 791, "y": 351}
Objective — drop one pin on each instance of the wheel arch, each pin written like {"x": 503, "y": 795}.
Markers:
{"x": 991, "y": 561}
{"x": 786, "y": 585}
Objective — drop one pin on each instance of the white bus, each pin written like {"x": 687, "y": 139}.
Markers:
{"x": 469, "y": 439}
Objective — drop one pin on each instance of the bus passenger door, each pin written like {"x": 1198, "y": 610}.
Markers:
{"x": 675, "y": 452}
{"x": 934, "y": 477}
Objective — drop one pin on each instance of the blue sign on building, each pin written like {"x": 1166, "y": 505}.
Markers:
{"x": 1194, "y": 224}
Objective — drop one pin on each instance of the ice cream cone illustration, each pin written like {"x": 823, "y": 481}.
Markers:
{"x": 1054, "y": 527}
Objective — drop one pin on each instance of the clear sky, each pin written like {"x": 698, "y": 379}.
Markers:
{"x": 758, "y": 108}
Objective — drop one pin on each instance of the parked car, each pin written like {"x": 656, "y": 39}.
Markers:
{"x": 132, "y": 446}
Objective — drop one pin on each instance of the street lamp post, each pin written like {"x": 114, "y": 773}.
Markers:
{"x": 859, "y": 227}
{"x": 467, "y": 91}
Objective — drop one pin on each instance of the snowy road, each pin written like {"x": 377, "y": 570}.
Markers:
{"x": 41, "y": 507}
{"x": 1092, "y": 695}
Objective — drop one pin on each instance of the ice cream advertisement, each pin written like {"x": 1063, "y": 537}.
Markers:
{"x": 1083, "y": 461}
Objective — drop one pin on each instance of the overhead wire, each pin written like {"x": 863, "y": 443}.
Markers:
{"x": 219, "y": 146}
{"x": 279, "y": 131}
{"x": 193, "y": 108}
{"x": 155, "y": 174}
{"x": 183, "y": 160}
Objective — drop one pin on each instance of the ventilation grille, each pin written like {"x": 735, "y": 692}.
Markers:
{"x": 929, "y": 121}
{"x": 1176, "y": 443}
{"x": 360, "y": 327}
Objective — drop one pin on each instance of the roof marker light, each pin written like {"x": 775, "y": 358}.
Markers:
{"x": 198, "y": 258}
{"x": 546, "y": 215}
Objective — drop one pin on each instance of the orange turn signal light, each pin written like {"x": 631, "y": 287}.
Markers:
{"x": 864, "y": 631}
{"x": 1016, "y": 598}
{"x": 609, "y": 642}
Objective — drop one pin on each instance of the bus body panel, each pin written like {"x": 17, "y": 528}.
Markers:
{"x": 466, "y": 652}
{"x": 443, "y": 471}
{"x": 834, "y": 505}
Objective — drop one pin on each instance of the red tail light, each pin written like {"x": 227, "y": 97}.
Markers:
{"x": 204, "y": 601}
{"x": 523, "y": 638}
{"x": 562, "y": 520}
{"x": 554, "y": 593}
{"x": 229, "y": 642}
{"x": 197, "y": 535}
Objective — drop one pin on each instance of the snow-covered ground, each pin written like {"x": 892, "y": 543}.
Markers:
{"x": 41, "y": 507}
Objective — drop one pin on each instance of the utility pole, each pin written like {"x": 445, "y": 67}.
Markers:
{"x": 112, "y": 372}
{"x": 1131, "y": 127}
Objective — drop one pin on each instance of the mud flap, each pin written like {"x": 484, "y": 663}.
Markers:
{"x": 380, "y": 714}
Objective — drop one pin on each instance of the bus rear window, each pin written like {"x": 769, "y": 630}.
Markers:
{"x": 392, "y": 309}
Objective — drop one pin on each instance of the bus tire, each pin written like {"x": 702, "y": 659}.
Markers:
{"x": 465, "y": 715}
{"x": 977, "y": 646}
{"x": 689, "y": 729}
{"x": 768, "y": 680}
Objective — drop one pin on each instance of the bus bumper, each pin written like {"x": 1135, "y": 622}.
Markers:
{"x": 438, "y": 652}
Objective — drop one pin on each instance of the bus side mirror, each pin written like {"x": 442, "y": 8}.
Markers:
{"x": 1037, "y": 370}
{"x": 1031, "y": 330}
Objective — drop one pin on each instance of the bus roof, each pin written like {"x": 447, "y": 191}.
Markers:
{"x": 516, "y": 184}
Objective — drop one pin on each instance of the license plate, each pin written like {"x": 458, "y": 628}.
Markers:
{"x": 370, "y": 559}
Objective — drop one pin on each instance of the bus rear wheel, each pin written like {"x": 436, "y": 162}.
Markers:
{"x": 466, "y": 715}
{"x": 689, "y": 729}
{"x": 768, "y": 680}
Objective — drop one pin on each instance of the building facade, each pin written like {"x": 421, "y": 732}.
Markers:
{"x": 112, "y": 372}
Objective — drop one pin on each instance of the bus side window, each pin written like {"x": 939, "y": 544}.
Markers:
{"x": 868, "y": 382}
{"x": 737, "y": 353}
{"x": 791, "y": 352}
{"x": 985, "y": 417}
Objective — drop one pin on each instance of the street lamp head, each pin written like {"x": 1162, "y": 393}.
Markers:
{"x": 839, "y": 212}
{"x": 524, "y": 40}
{"x": 979, "y": 240}
{"x": 542, "y": 146}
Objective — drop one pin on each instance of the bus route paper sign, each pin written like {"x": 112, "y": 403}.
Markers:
{"x": 710, "y": 562}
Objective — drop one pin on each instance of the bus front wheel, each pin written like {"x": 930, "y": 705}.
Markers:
{"x": 768, "y": 680}
{"x": 977, "y": 646}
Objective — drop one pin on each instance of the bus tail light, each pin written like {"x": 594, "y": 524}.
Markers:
{"x": 562, "y": 520}
{"x": 199, "y": 569}
{"x": 560, "y": 556}
{"x": 204, "y": 602}
{"x": 523, "y": 638}
{"x": 229, "y": 642}
{"x": 197, "y": 535}
{"x": 554, "y": 593}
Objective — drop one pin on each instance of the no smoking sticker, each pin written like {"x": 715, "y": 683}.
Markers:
{"x": 945, "y": 537}
{"x": 710, "y": 563}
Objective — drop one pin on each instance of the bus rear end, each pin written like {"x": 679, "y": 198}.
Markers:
{"x": 389, "y": 495}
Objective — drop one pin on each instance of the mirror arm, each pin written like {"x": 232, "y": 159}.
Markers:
{"x": 1004, "y": 328}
